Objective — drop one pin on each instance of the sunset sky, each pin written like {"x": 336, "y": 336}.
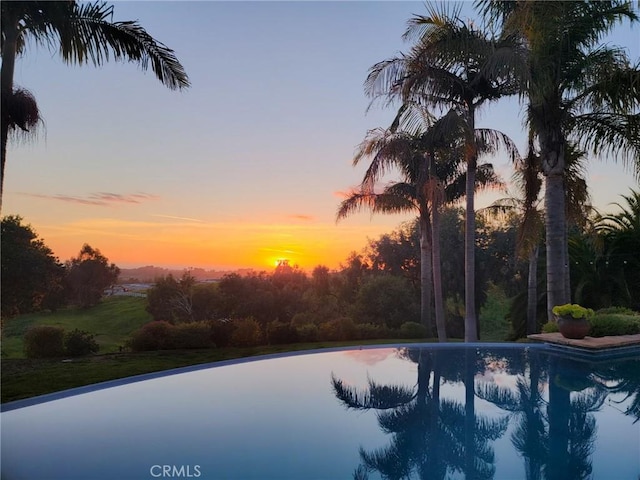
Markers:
{"x": 249, "y": 164}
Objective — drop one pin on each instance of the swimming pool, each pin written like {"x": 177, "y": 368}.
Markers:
{"x": 476, "y": 411}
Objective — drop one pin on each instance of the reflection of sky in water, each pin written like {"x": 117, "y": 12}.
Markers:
{"x": 270, "y": 419}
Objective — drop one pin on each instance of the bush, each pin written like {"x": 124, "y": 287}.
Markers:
{"x": 303, "y": 318}
{"x": 246, "y": 333}
{"x": 336, "y": 330}
{"x": 617, "y": 310}
{"x": 44, "y": 341}
{"x": 307, "y": 333}
{"x": 281, "y": 333}
{"x": 603, "y": 325}
{"x": 220, "y": 331}
{"x": 190, "y": 335}
{"x": 550, "y": 327}
{"x": 413, "y": 330}
{"x": 369, "y": 331}
{"x": 159, "y": 335}
{"x": 155, "y": 335}
{"x": 78, "y": 343}
{"x": 386, "y": 300}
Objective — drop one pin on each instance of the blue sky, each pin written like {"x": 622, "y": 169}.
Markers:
{"x": 246, "y": 166}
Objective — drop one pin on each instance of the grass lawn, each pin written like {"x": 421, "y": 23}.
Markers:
{"x": 111, "y": 322}
{"x": 25, "y": 378}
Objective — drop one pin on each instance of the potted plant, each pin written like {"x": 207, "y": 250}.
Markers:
{"x": 573, "y": 320}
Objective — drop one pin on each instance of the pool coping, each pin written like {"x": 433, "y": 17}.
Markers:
{"x": 589, "y": 343}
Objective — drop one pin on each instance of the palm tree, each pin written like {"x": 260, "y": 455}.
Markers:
{"x": 578, "y": 92}
{"x": 455, "y": 66}
{"x": 528, "y": 180}
{"x": 621, "y": 233}
{"x": 429, "y": 159}
{"x": 81, "y": 33}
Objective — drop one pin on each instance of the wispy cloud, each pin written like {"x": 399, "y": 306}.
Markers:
{"x": 304, "y": 218}
{"x": 178, "y": 218}
{"x": 101, "y": 199}
{"x": 279, "y": 250}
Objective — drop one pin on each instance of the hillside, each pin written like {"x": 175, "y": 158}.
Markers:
{"x": 112, "y": 322}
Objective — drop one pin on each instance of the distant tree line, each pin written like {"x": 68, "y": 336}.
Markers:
{"x": 33, "y": 279}
{"x": 376, "y": 292}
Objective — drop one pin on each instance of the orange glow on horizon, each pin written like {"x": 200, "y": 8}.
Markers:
{"x": 211, "y": 246}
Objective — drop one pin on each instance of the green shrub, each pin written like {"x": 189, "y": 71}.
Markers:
{"x": 386, "y": 300}
{"x": 617, "y": 310}
{"x": 303, "y": 318}
{"x": 413, "y": 330}
{"x": 78, "y": 343}
{"x": 550, "y": 327}
{"x": 331, "y": 331}
{"x": 369, "y": 331}
{"x": 44, "y": 341}
{"x": 155, "y": 335}
{"x": 220, "y": 331}
{"x": 190, "y": 335}
{"x": 603, "y": 325}
{"x": 348, "y": 329}
{"x": 279, "y": 333}
{"x": 246, "y": 333}
{"x": 308, "y": 332}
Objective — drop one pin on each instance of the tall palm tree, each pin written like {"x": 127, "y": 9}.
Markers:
{"x": 429, "y": 159}
{"x": 452, "y": 65}
{"x": 578, "y": 92}
{"x": 528, "y": 180}
{"x": 81, "y": 33}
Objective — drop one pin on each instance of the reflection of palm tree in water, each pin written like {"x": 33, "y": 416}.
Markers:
{"x": 555, "y": 442}
{"x": 526, "y": 405}
{"x": 430, "y": 435}
{"x": 623, "y": 377}
{"x": 572, "y": 428}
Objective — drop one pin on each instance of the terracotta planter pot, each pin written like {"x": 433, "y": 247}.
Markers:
{"x": 574, "y": 328}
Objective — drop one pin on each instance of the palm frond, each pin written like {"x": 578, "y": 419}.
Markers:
{"x": 92, "y": 37}
{"x": 85, "y": 33}
{"x": 609, "y": 134}
{"x": 489, "y": 141}
{"x": 395, "y": 199}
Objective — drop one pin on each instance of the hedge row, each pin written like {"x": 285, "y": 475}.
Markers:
{"x": 45, "y": 341}
{"x": 160, "y": 335}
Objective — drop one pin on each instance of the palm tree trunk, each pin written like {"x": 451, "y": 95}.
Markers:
{"x": 426, "y": 283}
{"x": 437, "y": 274}
{"x": 532, "y": 291}
{"x": 555, "y": 220}
{"x": 552, "y": 146}
{"x": 470, "y": 321}
{"x": 567, "y": 277}
{"x": 9, "y": 49}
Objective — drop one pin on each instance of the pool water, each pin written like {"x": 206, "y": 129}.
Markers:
{"x": 479, "y": 411}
